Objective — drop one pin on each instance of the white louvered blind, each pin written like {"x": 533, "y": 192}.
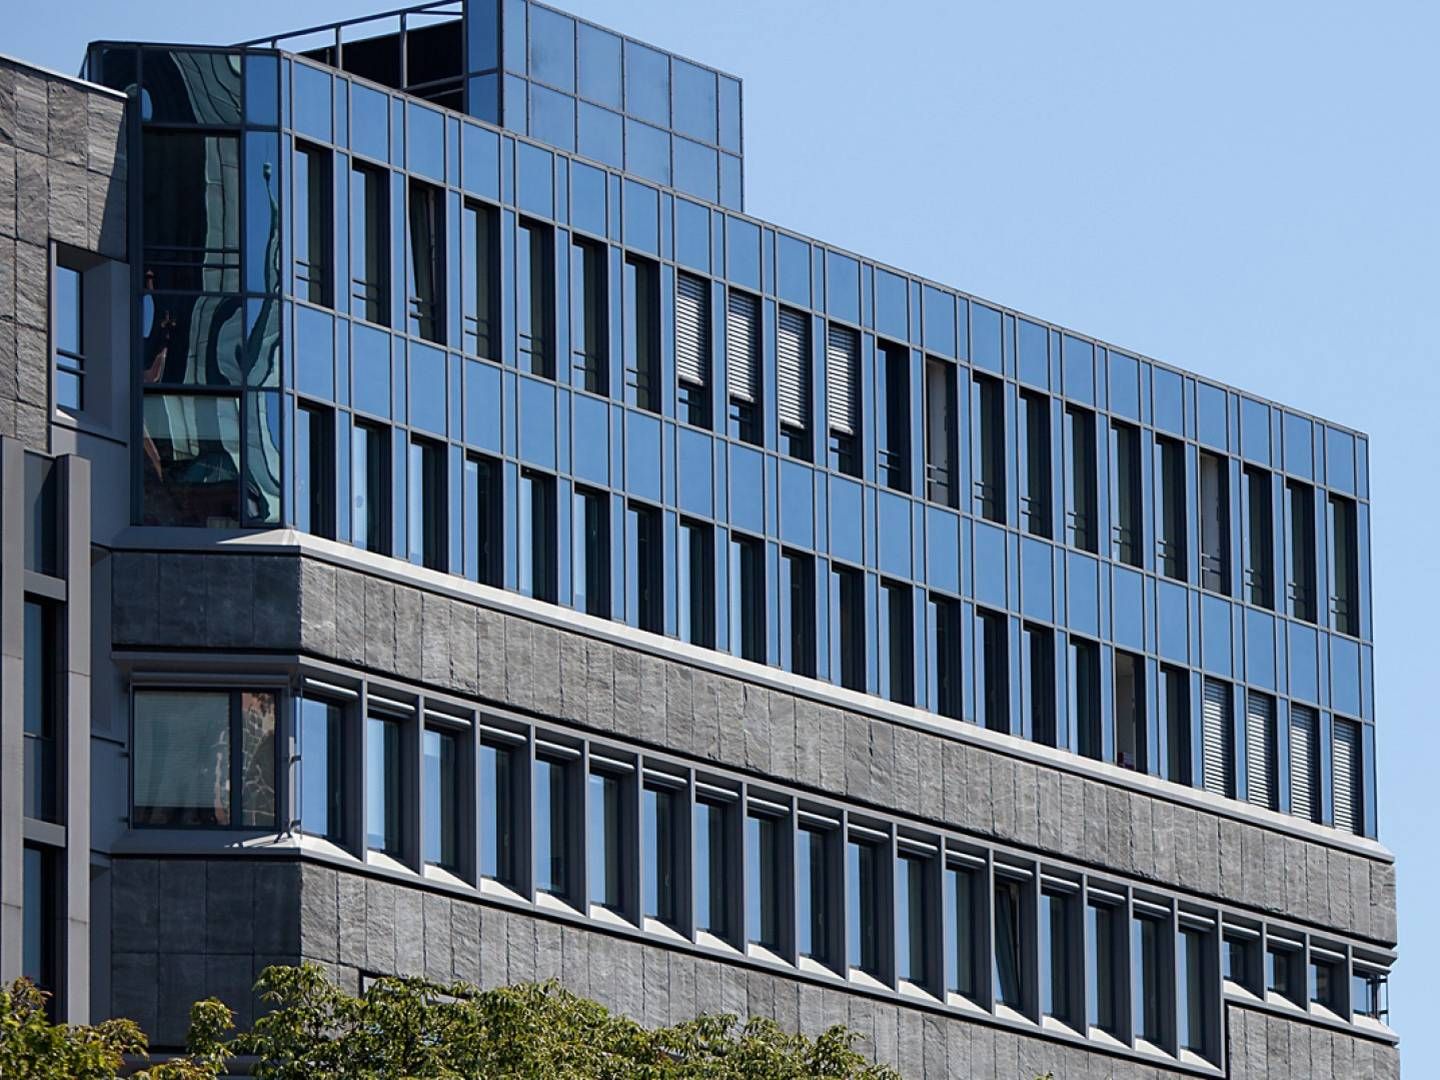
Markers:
{"x": 1303, "y": 800}
{"x": 742, "y": 345}
{"x": 692, "y": 330}
{"x": 1260, "y": 750}
{"x": 1347, "y": 785}
{"x": 793, "y": 368}
{"x": 842, "y": 373}
{"x": 1215, "y": 738}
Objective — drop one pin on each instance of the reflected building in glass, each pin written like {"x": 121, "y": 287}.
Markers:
{"x": 508, "y": 558}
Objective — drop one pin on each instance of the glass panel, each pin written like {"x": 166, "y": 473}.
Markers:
{"x": 535, "y": 296}
{"x": 497, "y": 822}
{"x": 961, "y": 920}
{"x": 1008, "y": 906}
{"x": 322, "y": 764}
{"x": 382, "y": 785}
{"x": 185, "y": 87}
{"x": 1103, "y": 987}
{"x": 762, "y": 880}
{"x": 864, "y": 904}
{"x": 370, "y": 478}
{"x": 1190, "y": 984}
{"x": 911, "y": 953}
{"x": 710, "y": 869}
{"x": 661, "y": 850}
{"x": 181, "y": 757}
{"x": 39, "y": 947}
{"x": 41, "y": 687}
{"x": 813, "y": 915}
{"x": 426, "y": 240}
{"x": 191, "y": 211}
{"x": 537, "y": 535}
{"x": 428, "y": 497}
{"x": 257, "y": 759}
{"x": 481, "y": 322}
{"x": 589, "y": 308}
{"x": 552, "y": 803}
{"x": 606, "y": 823}
{"x": 442, "y": 798}
{"x": 370, "y": 244}
{"x": 1146, "y": 977}
{"x": 1056, "y": 950}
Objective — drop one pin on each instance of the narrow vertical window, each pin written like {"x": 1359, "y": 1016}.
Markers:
{"x": 484, "y": 520}
{"x": 692, "y": 348}
{"x": 41, "y": 692}
{"x": 1239, "y": 960}
{"x": 1035, "y": 494}
{"x": 1085, "y": 698}
{"x": 793, "y": 382}
{"x": 1349, "y": 808}
{"x": 695, "y": 591}
{"x": 941, "y": 432}
{"x": 850, "y": 629}
{"x": 762, "y": 879}
{"x": 1304, "y": 763}
{"x": 1037, "y": 661}
{"x": 1283, "y": 974}
{"x": 589, "y": 311}
{"x": 1102, "y": 945}
{"x": 40, "y": 945}
{"x": 383, "y": 785}
{"x": 992, "y": 670}
{"x": 1344, "y": 567}
{"x": 842, "y": 397}
{"x": 742, "y": 367}
{"x": 1131, "y": 744}
{"x": 1261, "y": 783}
{"x": 647, "y": 568}
{"x": 1259, "y": 538}
{"x": 865, "y": 880}
{"x": 897, "y": 636}
{"x": 962, "y": 919}
{"x": 315, "y": 469}
{"x": 1217, "y": 740}
{"x": 498, "y": 826}
{"x": 1300, "y": 561}
{"x": 913, "y": 944}
{"x": 747, "y": 597}
{"x": 1175, "y": 711}
{"x": 1214, "y": 523}
{"x": 892, "y": 416}
{"x": 428, "y": 495}
{"x": 606, "y": 849}
{"x": 322, "y": 768}
{"x": 441, "y": 781}
{"x": 642, "y": 333}
{"x": 481, "y": 282}
{"x": 426, "y": 236}
{"x": 945, "y": 664}
{"x": 370, "y": 244}
{"x": 590, "y": 551}
{"x": 314, "y": 218}
{"x": 1127, "y": 514}
{"x": 370, "y": 477}
{"x": 663, "y": 858}
{"x": 1059, "y": 952}
{"x": 68, "y": 302}
{"x": 535, "y": 296}
{"x": 1009, "y": 916}
{"x": 1170, "y": 500}
{"x": 1081, "y": 508}
{"x": 712, "y": 868}
{"x": 1192, "y": 982}
{"x": 554, "y": 827}
{"x": 797, "y": 612}
{"x": 816, "y": 893}
{"x": 1149, "y": 963}
{"x": 537, "y": 535}
{"x": 1324, "y": 979}
{"x": 987, "y": 408}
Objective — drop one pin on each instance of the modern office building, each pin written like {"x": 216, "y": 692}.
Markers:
{"x": 441, "y": 533}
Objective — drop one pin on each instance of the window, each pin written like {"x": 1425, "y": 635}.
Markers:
{"x": 797, "y": 612}
{"x": 384, "y": 786}
{"x": 1059, "y": 929}
{"x": 322, "y": 768}
{"x": 1008, "y": 912}
{"x": 1037, "y": 660}
{"x": 369, "y": 244}
{"x": 849, "y": 596}
{"x": 535, "y": 296}
{"x": 556, "y": 821}
{"x": 68, "y": 303}
{"x": 40, "y": 952}
{"x": 191, "y": 213}
{"x": 315, "y": 469}
{"x": 742, "y": 367}
{"x": 747, "y": 597}
{"x": 842, "y": 397}
{"x": 712, "y": 868}
{"x": 1149, "y": 978}
{"x": 816, "y": 865}
{"x": 865, "y": 884}
{"x": 500, "y": 784}
{"x": 892, "y": 417}
{"x": 1262, "y": 786}
{"x": 1325, "y": 979}
{"x": 370, "y": 476}
{"x": 204, "y": 757}
{"x": 696, "y": 588}
{"x": 1304, "y": 763}
{"x": 987, "y": 407}
{"x": 992, "y": 670}
{"x": 1344, "y": 567}
{"x": 1239, "y": 960}
{"x": 692, "y": 348}
{"x": 1345, "y": 750}
{"x": 1082, "y": 516}
{"x": 42, "y": 722}
{"x": 480, "y": 286}
{"x": 1035, "y": 476}
{"x": 590, "y": 551}
{"x": 962, "y": 922}
{"x": 762, "y": 879}
{"x": 484, "y": 520}
{"x": 1175, "y": 709}
{"x": 607, "y": 829}
{"x": 1259, "y": 543}
{"x": 1103, "y": 943}
{"x": 589, "y": 316}
{"x": 945, "y": 693}
{"x": 1368, "y": 993}
{"x": 642, "y": 332}
{"x": 1131, "y": 744}
{"x": 537, "y": 535}
{"x": 191, "y": 478}
{"x": 1214, "y": 523}
{"x": 1126, "y": 485}
{"x": 426, "y": 238}
{"x": 1300, "y": 563}
{"x": 441, "y": 782}
{"x": 1085, "y": 697}
{"x": 429, "y": 496}
{"x": 1192, "y": 983}
{"x": 314, "y": 219}
{"x": 941, "y": 432}
{"x": 1283, "y": 972}
{"x": 664, "y": 860}
{"x": 897, "y": 637}
{"x": 1170, "y": 502}
{"x": 647, "y": 569}
{"x": 913, "y": 934}
{"x": 792, "y": 384}
{"x": 1217, "y": 739}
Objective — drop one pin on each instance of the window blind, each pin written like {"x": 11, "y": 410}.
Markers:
{"x": 793, "y": 364}
{"x": 1215, "y": 738}
{"x": 692, "y": 330}
{"x": 1303, "y": 797}
{"x": 842, "y": 367}
{"x": 742, "y": 339}
{"x": 1260, "y": 750}
{"x": 1347, "y": 781}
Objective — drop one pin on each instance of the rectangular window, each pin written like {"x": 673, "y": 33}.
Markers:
{"x": 429, "y": 495}
{"x": 692, "y": 348}
{"x": 1283, "y": 972}
{"x": 187, "y": 768}
{"x": 481, "y": 283}
{"x": 742, "y": 367}
{"x": 897, "y": 637}
{"x": 1344, "y": 567}
{"x": 642, "y": 332}
{"x": 1368, "y": 994}
{"x": 426, "y": 237}
{"x": 1304, "y": 763}
{"x": 1238, "y": 961}
{"x": 865, "y": 881}
{"x": 647, "y": 569}
{"x": 1058, "y": 952}
{"x": 1082, "y": 515}
{"x": 322, "y": 768}
{"x": 1037, "y": 659}
{"x": 987, "y": 409}
{"x": 941, "y": 432}
{"x": 792, "y": 385}
{"x": 1259, "y": 538}
{"x": 190, "y": 206}
{"x": 370, "y": 244}
{"x": 664, "y": 859}
{"x": 1102, "y": 945}
{"x": 499, "y": 786}
{"x": 815, "y": 893}
{"x": 1217, "y": 740}
{"x": 484, "y": 520}
{"x": 553, "y": 827}
{"x": 68, "y": 315}
{"x": 962, "y": 920}
{"x": 912, "y": 918}
{"x": 607, "y": 827}
{"x": 590, "y": 551}
{"x": 1175, "y": 709}
{"x": 1170, "y": 507}
{"x": 748, "y": 604}
{"x": 441, "y": 754}
{"x": 1191, "y": 983}
{"x": 945, "y": 695}
{"x": 892, "y": 417}
{"x": 1085, "y": 698}
{"x": 1348, "y": 790}
{"x": 314, "y": 219}
{"x": 1009, "y": 915}
{"x": 695, "y": 591}
{"x": 535, "y": 296}
{"x": 712, "y": 868}
{"x": 797, "y": 612}
{"x": 42, "y": 724}
{"x": 1126, "y": 486}
{"x": 537, "y": 535}
{"x": 589, "y": 315}
{"x": 1262, "y": 786}
{"x": 370, "y": 477}
{"x": 1035, "y": 493}
{"x": 40, "y": 947}
{"x": 992, "y": 670}
{"x": 384, "y": 787}
{"x": 842, "y": 398}
{"x": 1131, "y": 743}
{"x": 1325, "y": 978}
{"x": 762, "y": 879}
{"x": 1214, "y": 523}
{"x": 850, "y": 625}
{"x": 1149, "y": 977}
{"x": 315, "y": 469}
{"x": 1300, "y": 561}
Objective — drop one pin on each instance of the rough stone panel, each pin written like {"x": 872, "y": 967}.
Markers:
{"x": 520, "y": 662}
{"x": 782, "y": 728}
{"x": 317, "y": 606}
{"x": 1382, "y": 899}
{"x": 1142, "y": 833}
{"x": 494, "y": 947}
{"x": 7, "y": 209}
{"x": 886, "y": 1034}
{"x": 68, "y": 121}
{"x": 319, "y": 914}
{"x": 929, "y": 757}
{"x": 1051, "y": 810}
{"x": 229, "y": 978}
{"x": 756, "y": 729}
{"x": 380, "y": 919}
{"x": 7, "y": 103}
{"x": 182, "y": 905}
{"x": 229, "y": 601}
{"x": 705, "y": 714}
{"x": 600, "y": 685}
{"x": 1162, "y": 816}
{"x": 135, "y": 987}
{"x": 434, "y": 639}
{"x": 230, "y": 907}
{"x": 32, "y": 367}
{"x": 32, "y": 256}
{"x": 181, "y": 977}
{"x": 106, "y": 207}
{"x": 350, "y": 902}
{"x": 277, "y": 602}
{"x": 910, "y": 1042}
{"x": 408, "y": 621}
{"x": 1317, "y": 882}
{"x": 894, "y": 782}
{"x": 350, "y": 629}
{"x": 655, "y": 989}
{"x": 439, "y": 942}
{"x": 857, "y": 758}
{"x": 135, "y": 903}
{"x": 679, "y": 709}
{"x": 464, "y": 675}
{"x": 1358, "y": 870}
{"x": 572, "y": 676}
{"x": 277, "y": 894}
{"x": 409, "y": 932}
{"x": 105, "y": 134}
{"x": 490, "y": 653}
{"x": 1119, "y": 829}
{"x": 654, "y": 697}
{"x": 952, "y": 780}
{"x": 730, "y": 727}
{"x": 465, "y": 941}
{"x": 1027, "y": 804}
{"x": 575, "y": 960}
{"x": 548, "y": 699}
{"x": 69, "y": 204}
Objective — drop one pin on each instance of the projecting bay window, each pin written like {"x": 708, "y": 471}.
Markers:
{"x": 1304, "y": 763}
{"x": 1170, "y": 507}
{"x": 385, "y": 787}
{"x": 1151, "y": 973}
{"x": 848, "y": 604}
{"x": 765, "y": 851}
{"x": 1217, "y": 739}
{"x": 443, "y": 749}
{"x": 664, "y": 852}
{"x": 1214, "y": 523}
{"x": 747, "y": 597}
{"x": 1127, "y": 530}
{"x": 797, "y": 612}
{"x": 42, "y": 694}
{"x": 535, "y": 296}
{"x": 480, "y": 283}
{"x": 897, "y": 638}
{"x": 817, "y": 890}
{"x": 945, "y": 686}
{"x": 315, "y": 469}
{"x": 742, "y": 367}
{"x": 1259, "y": 538}
{"x": 692, "y": 348}
{"x": 1060, "y": 952}
{"x": 941, "y": 433}
{"x": 370, "y": 479}
{"x": 1348, "y": 788}
{"x": 867, "y": 901}
{"x": 987, "y": 446}
{"x": 646, "y": 584}
{"x": 1262, "y": 784}
{"x": 1344, "y": 566}
{"x": 792, "y": 382}
{"x": 1082, "y": 517}
{"x": 992, "y": 670}
{"x": 1104, "y": 963}
{"x": 68, "y": 331}
{"x": 323, "y": 745}
{"x": 715, "y": 865}
{"x": 610, "y": 825}
{"x": 917, "y": 931}
{"x": 1085, "y": 698}
{"x": 428, "y": 496}
{"x": 892, "y": 416}
{"x": 964, "y": 895}
{"x": 642, "y": 333}
{"x": 1037, "y": 675}
{"x": 537, "y": 562}
{"x": 1175, "y": 713}
{"x": 1035, "y": 490}
{"x": 589, "y": 316}
{"x": 1131, "y": 742}
{"x": 590, "y": 551}
{"x": 1300, "y": 553}
{"x": 502, "y": 782}
{"x": 484, "y": 520}
{"x": 842, "y": 398}
{"x": 426, "y": 237}
{"x": 695, "y": 591}
{"x": 370, "y": 244}
{"x": 559, "y": 823}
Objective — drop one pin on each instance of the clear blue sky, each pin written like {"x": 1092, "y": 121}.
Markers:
{"x": 1246, "y": 190}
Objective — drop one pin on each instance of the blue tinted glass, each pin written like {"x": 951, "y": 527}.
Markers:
{"x": 484, "y": 99}
{"x": 843, "y": 286}
{"x": 604, "y": 840}
{"x": 262, "y": 180}
{"x": 1174, "y": 621}
{"x": 1169, "y": 401}
{"x": 262, "y": 102}
{"x": 692, "y": 235}
{"x": 708, "y": 823}
{"x": 647, "y": 151}
{"x": 1128, "y": 608}
{"x": 1340, "y": 460}
{"x": 985, "y": 337}
{"x": 742, "y": 252}
{"x": 599, "y": 66}
{"x": 514, "y": 108}
{"x": 1299, "y": 446}
{"x": 602, "y": 135}
{"x": 647, "y": 84}
{"x": 319, "y": 767}
{"x": 642, "y": 217}
{"x": 1034, "y": 353}
{"x": 427, "y": 388}
{"x": 1215, "y": 635}
{"x": 939, "y": 321}
{"x": 1255, "y": 430}
{"x": 481, "y": 151}
{"x": 1125, "y": 385}
{"x": 382, "y": 795}
{"x": 1213, "y": 426}
{"x": 730, "y": 113}
{"x": 372, "y": 370}
{"x": 587, "y": 198}
{"x": 513, "y": 25}
{"x": 1083, "y": 574}
{"x": 482, "y": 48}
{"x": 315, "y": 352}
{"x": 495, "y": 822}
{"x": 311, "y": 105}
{"x": 794, "y": 271}
{"x": 696, "y": 169}
{"x": 432, "y": 782}
{"x": 551, "y": 802}
{"x": 552, "y": 117}
{"x": 537, "y": 422}
{"x": 891, "y": 305}
{"x": 695, "y": 104}
{"x": 552, "y": 47}
{"x": 536, "y": 170}
{"x": 370, "y": 122}
{"x": 1079, "y": 361}
{"x": 732, "y": 195}
{"x": 427, "y": 141}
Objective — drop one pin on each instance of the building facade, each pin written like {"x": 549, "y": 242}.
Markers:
{"x": 444, "y": 534}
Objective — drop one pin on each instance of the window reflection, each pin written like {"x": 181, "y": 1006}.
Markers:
{"x": 192, "y": 460}
{"x": 191, "y": 211}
